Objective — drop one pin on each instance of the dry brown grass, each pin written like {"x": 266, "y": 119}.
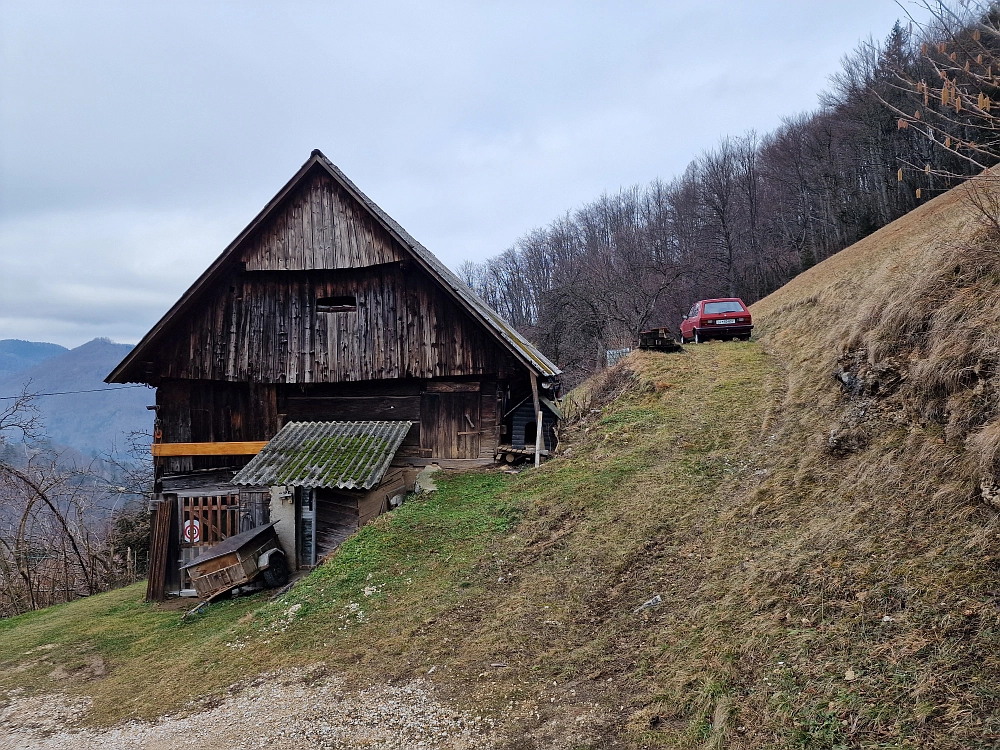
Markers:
{"x": 882, "y": 493}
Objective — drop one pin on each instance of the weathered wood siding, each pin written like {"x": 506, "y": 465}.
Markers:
{"x": 255, "y": 351}
{"x": 449, "y": 425}
{"x": 489, "y": 416}
{"x": 390, "y": 400}
{"x": 212, "y": 412}
{"x": 461, "y": 417}
{"x": 321, "y": 226}
{"x": 264, "y": 327}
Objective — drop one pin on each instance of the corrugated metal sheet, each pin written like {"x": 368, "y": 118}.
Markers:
{"x": 346, "y": 455}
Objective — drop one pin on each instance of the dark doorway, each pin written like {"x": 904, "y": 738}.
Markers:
{"x": 530, "y": 434}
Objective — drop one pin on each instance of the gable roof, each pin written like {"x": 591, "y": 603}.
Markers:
{"x": 519, "y": 346}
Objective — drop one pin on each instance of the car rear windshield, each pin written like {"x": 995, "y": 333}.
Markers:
{"x": 713, "y": 308}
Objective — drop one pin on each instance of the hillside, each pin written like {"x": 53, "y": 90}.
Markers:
{"x": 17, "y": 355}
{"x": 89, "y": 422}
{"x": 823, "y": 548}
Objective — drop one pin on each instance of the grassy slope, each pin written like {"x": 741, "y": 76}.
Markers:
{"x": 540, "y": 572}
{"x": 813, "y": 596}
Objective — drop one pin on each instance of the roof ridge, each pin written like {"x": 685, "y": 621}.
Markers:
{"x": 491, "y": 317}
{"x": 474, "y": 304}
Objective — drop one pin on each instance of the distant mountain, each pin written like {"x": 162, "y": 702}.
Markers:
{"x": 17, "y": 355}
{"x": 90, "y": 422}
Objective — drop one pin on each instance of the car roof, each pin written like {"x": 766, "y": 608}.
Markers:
{"x": 721, "y": 299}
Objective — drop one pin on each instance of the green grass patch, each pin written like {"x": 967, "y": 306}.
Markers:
{"x": 421, "y": 556}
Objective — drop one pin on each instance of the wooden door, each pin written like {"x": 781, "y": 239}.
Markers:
{"x": 450, "y": 424}
{"x": 204, "y": 521}
{"x": 254, "y": 509}
{"x": 307, "y": 527}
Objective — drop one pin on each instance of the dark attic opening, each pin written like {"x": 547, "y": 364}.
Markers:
{"x": 337, "y": 304}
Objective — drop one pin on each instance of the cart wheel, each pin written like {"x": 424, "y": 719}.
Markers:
{"x": 276, "y": 573}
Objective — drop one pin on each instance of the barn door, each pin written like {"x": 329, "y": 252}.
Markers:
{"x": 450, "y": 424}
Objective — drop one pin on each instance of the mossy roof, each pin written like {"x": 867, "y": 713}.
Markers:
{"x": 346, "y": 455}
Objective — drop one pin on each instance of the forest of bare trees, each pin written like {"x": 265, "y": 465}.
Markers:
{"x": 67, "y": 529}
{"x": 744, "y": 217}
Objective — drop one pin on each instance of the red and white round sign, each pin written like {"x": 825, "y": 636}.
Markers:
{"x": 192, "y": 531}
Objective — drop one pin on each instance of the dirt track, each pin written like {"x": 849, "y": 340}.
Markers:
{"x": 292, "y": 710}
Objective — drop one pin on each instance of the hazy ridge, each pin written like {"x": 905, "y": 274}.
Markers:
{"x": 90, "y": 422}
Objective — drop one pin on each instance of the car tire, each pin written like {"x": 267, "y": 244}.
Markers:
{"x": 697, "y": 338}
{"x": 276, "y": 573}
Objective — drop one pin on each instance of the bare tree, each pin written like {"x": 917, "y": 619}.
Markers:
{"x": 952, "y": 90}
{"x": 61, "y": 525}
{"x": 748, "y": 215}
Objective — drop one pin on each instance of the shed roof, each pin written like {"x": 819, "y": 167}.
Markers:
{"x": 346, "y": 455}
{"x": 519, "y": 346}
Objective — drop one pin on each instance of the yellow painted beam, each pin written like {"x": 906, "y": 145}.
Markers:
{"x": 208, "y": 449}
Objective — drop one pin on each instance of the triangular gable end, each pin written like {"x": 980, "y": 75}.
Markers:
{"x": 359, "y": 238}
{"x": 319, "y": 225}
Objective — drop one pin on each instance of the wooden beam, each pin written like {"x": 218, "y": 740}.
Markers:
{"x": 538, "y": 424}
{"x": 444, "y": 463}
{"x": 446, "y": 386}
{"x": 208, "y": 449}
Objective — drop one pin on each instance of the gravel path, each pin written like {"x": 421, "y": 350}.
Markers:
{"x": 283, "y": 711}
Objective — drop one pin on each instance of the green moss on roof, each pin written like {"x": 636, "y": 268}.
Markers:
{"x": 350, "y": 455}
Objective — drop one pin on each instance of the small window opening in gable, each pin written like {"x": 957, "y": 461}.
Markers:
{"x": 337, "y": 304}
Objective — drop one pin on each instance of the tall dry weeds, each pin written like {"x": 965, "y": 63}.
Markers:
{"x": 935, "y": 340}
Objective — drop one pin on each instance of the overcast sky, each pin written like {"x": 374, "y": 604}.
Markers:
{"x": 138, "y": 138}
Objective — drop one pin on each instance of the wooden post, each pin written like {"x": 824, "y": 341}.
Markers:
{"x": 163, "y": 518}
{"x": 538, "y": 424}
{"x": 538, "y": 440}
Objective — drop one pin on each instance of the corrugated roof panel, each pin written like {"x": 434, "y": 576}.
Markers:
{"x": 345, "y": 455}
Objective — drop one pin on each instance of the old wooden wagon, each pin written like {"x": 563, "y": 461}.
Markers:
{"x": 239, "y": 561}
{"x": 659, "y": 339}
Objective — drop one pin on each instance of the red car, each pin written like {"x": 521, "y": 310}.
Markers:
{"x": 724, "y": 318}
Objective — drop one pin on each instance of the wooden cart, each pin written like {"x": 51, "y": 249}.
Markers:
{"x": 658, "y": 340}
{"x": 239, "y": 560}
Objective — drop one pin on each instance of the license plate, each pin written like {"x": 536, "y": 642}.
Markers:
{"x": 724, "y": 322}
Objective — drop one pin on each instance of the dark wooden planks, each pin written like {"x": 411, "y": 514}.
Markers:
{"x": 159, "y": 547}
{"x": 322, "y": 227}
{"x": 404, "y": 327}
{"x": 214, "y": 412}
{"x": 489, "y": 416}
{"x": 353, "y": 408}
{"x": 450, "y": 424}
{"x": 337, "y": 517}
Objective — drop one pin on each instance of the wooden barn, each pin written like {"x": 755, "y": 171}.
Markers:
{"x": 323, "y": 310}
